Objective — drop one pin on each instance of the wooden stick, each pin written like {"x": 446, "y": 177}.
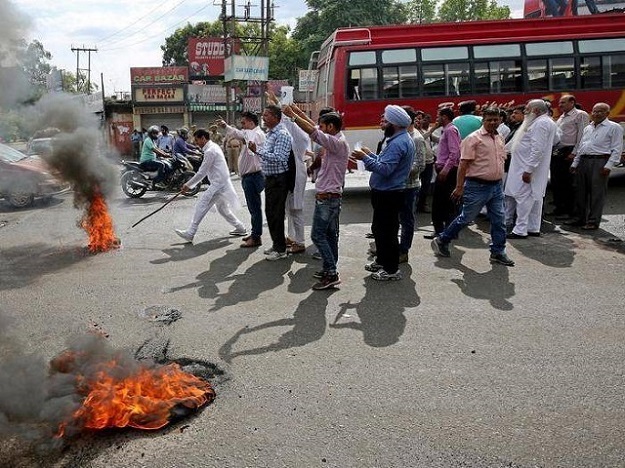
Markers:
{"x": 158, "y": 209}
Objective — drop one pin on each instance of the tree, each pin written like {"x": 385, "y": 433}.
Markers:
{"x": 471, "y": 10}
{"x": 421, "y": 11}
{"x": 283, "y": 53}
{"x": 325, "y": 16}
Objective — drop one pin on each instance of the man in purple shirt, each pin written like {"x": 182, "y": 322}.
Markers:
{"x": 328, "y": 189}
{"x": 444, "y": 209}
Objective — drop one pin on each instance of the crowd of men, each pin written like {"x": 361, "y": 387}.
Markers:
{"x": 492, "y": 161}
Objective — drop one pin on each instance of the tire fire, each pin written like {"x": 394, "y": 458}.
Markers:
{"x": 98, "y": 224}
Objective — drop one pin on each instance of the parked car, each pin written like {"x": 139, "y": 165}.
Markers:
{"x": 24, "y": 178}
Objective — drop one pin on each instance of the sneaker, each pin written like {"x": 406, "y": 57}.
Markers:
{"x": 268, "y": 251}
{"x": 502, "y": 259}
{"x": 319, "y": 274}
{"x": 382, "y": 275}
{"x": 403, "y": 257}
{"x": 275, "y": 255}
{"x": 440, "y": 249}
{"x": 373, "y": 266}
{"x": 316, "y": 256}
{"x": 238, "y": 232}
{"x": 327, "y": 282}
{"x": 185, "y": 235}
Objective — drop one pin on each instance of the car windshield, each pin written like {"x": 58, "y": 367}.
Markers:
{"x": 8, "y": 154}
{"x": 40, "y": 146}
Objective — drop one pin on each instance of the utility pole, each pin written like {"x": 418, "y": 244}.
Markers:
{"x": 256, "y": 45}
{"x": 86, "y": 84}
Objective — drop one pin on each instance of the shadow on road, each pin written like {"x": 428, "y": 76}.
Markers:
{"x": 186, "y": 251}
{"x": 21, "y": 266}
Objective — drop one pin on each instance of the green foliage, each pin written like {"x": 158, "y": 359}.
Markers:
{"x": 175, "y": 48}
{"x": 421, "y": 11}
{"x": 471, "y": 10}
{"x": 283, "y": 53}
{"x": 325, "y": 16}
{"x": 13, "y": 126}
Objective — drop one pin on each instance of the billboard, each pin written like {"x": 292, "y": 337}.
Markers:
{"x": 150, "y": 76}
{"x": 246, "y": 68}
{"x": 307, "y": 80}
{"x": 206, "y": 56}
{"x": 206, "y": 94}
{"x": 547, "y": 8}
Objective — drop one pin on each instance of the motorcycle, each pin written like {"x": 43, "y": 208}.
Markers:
{"x": 136, "y": 181}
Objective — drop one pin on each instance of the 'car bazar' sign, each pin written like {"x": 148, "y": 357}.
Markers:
{"x": 159, "y": 75}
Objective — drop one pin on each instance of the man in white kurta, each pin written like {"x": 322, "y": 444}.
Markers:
{"x": 295, "y": 200}
{"x": 529, "y": 170}
{"x": 220, "y": 192}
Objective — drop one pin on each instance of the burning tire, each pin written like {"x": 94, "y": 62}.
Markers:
{"x": 131, "y": 186}
{"x": 187, "y": 176}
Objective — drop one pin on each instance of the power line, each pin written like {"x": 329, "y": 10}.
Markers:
{"x": 130, "y": 25}
{"x": 156, "y": 35}
{"x": 115, "y": 41}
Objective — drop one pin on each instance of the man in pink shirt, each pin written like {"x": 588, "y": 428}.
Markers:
{"x": 328, "y": 189}
{"x": 479, "y": 184}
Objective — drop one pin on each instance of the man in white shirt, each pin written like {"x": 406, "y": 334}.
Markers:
{"x": 249, "y": 167}
{"x": 529, "y": 170}
{"x": 220, "y": 192}
{"x": 598, "y": 151}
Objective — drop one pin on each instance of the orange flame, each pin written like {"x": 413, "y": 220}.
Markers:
{"x": 143, "y": 400}
{"x": 99, "y": 225}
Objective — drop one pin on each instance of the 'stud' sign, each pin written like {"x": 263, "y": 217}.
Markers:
{"x": 206, "y": 56}
{"x": 147, "y": 76}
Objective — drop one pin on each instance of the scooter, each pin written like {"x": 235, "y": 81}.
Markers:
{"x": 135, "y": 181}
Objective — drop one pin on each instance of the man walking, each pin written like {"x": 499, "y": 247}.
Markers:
{"x": 444, "y": 209}
{"x": 220, "y": 192}
{"x": 274, "y": 156}
{"x": 571, "y": 124}
{"x": 479, "y": 184}
{"x": 529, "y": 170}
{"x": 328, "y": 189}
{"x": 598, "y": 151}
{"x": 388, "y": 180}
{"x": 250, "y": 170}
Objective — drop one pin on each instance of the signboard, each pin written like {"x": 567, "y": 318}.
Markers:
{"x": 206, "y": 56}
{"x": 214, "y": 107}
{"x": 206, "y": 94}
{"x": 158, "y": 75}
{"x": 246, "y": 68}
{"x": 275, "y": 86}
{"x": 307, "y": 80}
{"x": 252, "y": 104}
{"x": 159, "y": 110}
{"x": 159, "y": 94}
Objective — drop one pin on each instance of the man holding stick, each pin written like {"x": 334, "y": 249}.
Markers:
{"x": 220, "y": 193}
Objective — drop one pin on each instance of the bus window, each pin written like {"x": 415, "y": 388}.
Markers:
{"x": 601, "y": 45}
{"x": 457, "y": 77}
{"x": 362, "y": 84}
{"x": 591, "y": 72}
{"x": 400, "y": 82}
{"x": 361, "y": 58}
{"x": 399, "y": 56}
{"x": 562, "y": 73}
{"x": 614, "y": 71}
{"x": 537, "y": 75}
{"x": 498, "y": 76}
{"x": 549, "y": 48}
{"x": 496, "y": 51}
{"x": 434, "y": 80}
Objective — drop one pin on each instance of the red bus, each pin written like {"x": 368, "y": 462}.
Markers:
{"x": 502, "y": 63}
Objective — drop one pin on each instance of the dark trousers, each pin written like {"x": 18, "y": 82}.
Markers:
{"x": 562, "y": 181}
{"x": 426, "y": 187}
{"x": 276, "y": 191}
{"x": 253, "y": 185}
{"x": 154, "y": 165}
{"x": 444, "y": 209}
{"x": 386, "y": 207}
{"x": 590, "y": 188}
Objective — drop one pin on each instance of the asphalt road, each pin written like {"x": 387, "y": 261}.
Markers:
{"x": 460, "y": 364}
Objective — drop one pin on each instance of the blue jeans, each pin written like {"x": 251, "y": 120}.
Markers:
{"x": 477, "y": 195}
{"x": 253, "y": 185}
{"x": 407, "y": 219}
{"x": 325, "y": 232}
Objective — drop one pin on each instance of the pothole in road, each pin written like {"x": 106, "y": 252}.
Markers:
{"x": 161, "y": 314}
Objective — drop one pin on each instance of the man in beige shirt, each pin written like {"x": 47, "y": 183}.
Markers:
{"x": 479, "y": 184}
{"x": 571, "y": 125}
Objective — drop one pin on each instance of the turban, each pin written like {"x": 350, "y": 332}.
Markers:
{"x": 397, "y": 116}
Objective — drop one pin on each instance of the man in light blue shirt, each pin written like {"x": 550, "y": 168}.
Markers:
{"x": 389, "y": 172}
